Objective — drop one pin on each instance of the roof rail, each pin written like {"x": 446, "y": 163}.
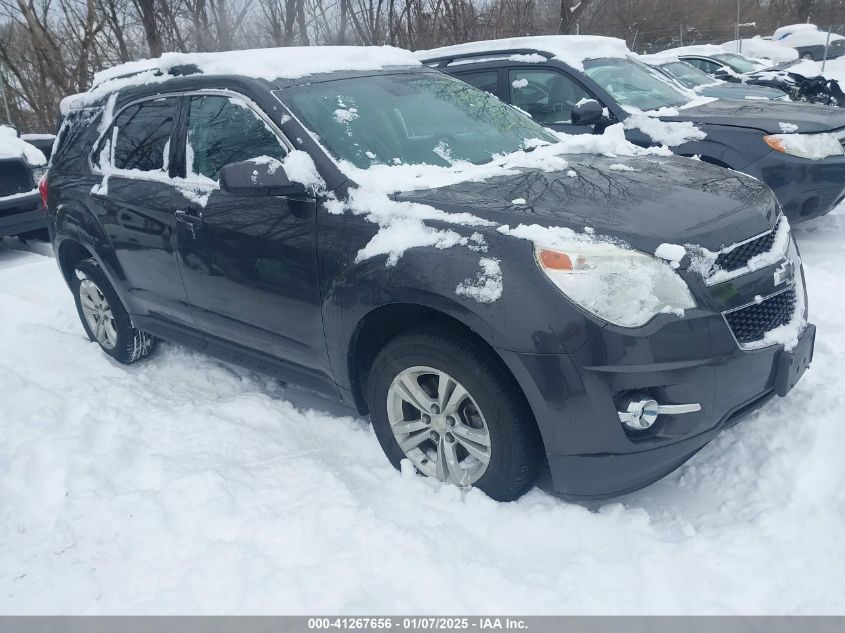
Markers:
{"x": 445, "y": 60}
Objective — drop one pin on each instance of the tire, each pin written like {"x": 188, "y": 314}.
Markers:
{"x": 492, "y": 412}
{"x": 808, "y": 56}
{"x": 97, "y": 302}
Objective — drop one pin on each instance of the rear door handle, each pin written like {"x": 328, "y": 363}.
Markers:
{"x": 191, "y": 219}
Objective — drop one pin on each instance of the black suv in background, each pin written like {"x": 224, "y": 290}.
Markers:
{"x": 407, "y": 244}
{"x": 796, "y": 149}
{"x": 21, "y": 167}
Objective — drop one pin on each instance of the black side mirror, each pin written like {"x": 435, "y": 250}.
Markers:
{"x": 259, "y": 177}
{"x": 587, "y": 113}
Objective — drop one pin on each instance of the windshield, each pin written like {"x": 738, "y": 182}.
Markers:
{"x": 410, "y": 118}
{"x": 738, "y": 63}
{"x": 633, "y": 84}
{"x": 688, "y": 75}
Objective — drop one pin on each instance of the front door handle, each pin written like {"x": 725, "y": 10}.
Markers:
{"x": 189, "y": 218}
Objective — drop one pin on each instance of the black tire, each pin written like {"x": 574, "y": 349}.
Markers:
{"x": 516, "y": 452}
{"x": 131, "y": 344}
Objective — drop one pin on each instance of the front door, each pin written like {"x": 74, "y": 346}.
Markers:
{"x": 549, "y": 96}
{"x": 249, "y": 263}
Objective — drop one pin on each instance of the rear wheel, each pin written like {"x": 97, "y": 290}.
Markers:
{"x": 443, "y": 403}
{"x": 104, "y": 318}
{"x": 807, "y": 56}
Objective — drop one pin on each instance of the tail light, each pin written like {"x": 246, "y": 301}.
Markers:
{"x": 42, "y": 189}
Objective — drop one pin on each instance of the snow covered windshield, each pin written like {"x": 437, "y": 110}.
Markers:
{"x": 634, "y": 85}
{"x": 738, "y": 63}
{"x": 410, "y": 118}
{"x": 688, "y": 75}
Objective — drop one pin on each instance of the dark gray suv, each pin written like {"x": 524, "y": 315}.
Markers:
{"x": 398, "y": 240}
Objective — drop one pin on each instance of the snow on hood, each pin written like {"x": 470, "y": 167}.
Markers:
{"x": 572, "y": 50}
{"x": 290, "y": 62}
{"x": 13, "y": 147}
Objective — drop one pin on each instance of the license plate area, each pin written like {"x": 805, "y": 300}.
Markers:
{"x": 792, "y": 365}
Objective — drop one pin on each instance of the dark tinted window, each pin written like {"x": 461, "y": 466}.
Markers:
{"x": 546, "y": 95}
{"x": 704, "y": 64}
{"x": 486, "y": 80}
{"x": 222, "y": 130}
{"x": 143, "y": 134}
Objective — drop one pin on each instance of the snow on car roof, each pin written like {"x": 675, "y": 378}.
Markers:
{"x": 292, "y": 62}
{"x": 791, "y": 28}
{"x": 673, "y": 54}
{"x": 808, "y": 37}
{"x": 758, "y": 48}
{"x": 13, "y": 147}
{"x": 572, "y": 50}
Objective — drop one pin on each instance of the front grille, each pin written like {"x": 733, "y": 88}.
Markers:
{"x": 738, "y": 257}
{"x": 750, "y": 323}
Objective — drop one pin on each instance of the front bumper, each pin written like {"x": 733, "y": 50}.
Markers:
{"x": 806, "y": 189}
{"x": 21, "y": 214}
{"x": 694, "y": 360}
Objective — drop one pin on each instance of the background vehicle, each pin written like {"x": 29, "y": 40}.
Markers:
{"x": 21, "y": 167}
{"x": 43, "y": 142}
{"x": 556, "y": 94}
{"x": 208, "y": 215}
{"x": 810, "y": 42}
{"x": 789, "y": 77}
{"x": 696, "y": 79}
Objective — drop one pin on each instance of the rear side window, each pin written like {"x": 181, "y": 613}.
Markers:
{"x": 223, "y": 130}
{"x": 141, "y": 135}
{"x": 486, "y": 80}
{"x": 704, "y": 64}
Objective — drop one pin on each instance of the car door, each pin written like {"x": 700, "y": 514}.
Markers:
{"x": 135, "y": 207}
{"x": 548, "y": 95}
{"x": 249, "y": 263}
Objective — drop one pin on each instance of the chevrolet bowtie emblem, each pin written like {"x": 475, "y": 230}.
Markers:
{"x": 784, "y": 273}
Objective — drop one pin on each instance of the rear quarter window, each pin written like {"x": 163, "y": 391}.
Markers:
{"x": 77, "y": 135}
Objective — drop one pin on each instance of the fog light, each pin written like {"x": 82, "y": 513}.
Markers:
{"x": 638, "y": 411}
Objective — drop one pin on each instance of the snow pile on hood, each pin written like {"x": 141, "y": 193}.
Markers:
{"x": 404, "y": 225}
{"x": 572, "y": 50}
{"x": 669, "y": 133}
{"x": 758, "y": 48}
{"x": 292, "y": 62}
{"x": 13, "y": 147}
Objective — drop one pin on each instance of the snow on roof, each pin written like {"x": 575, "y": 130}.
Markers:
{"x": 290, "y": 62}
{"x": 13, "y": 147}
{"x": 572, "y": 50}
{"x": 792, "y": 28}
{"x": 808, "y": 38}
{"x": 673, "y": 54}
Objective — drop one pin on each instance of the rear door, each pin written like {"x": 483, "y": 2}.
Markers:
{"x": 135, "y": 200}
{"x": 249, "y": 263}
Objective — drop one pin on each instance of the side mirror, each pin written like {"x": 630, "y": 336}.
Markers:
{"x": 587, "y": 113}
{"x": 259, "y": 177}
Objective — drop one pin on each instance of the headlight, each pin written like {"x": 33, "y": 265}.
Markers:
{"x": 622, "y": 286}
{"x": 810, "y": 146}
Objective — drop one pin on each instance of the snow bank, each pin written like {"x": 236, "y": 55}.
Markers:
{"x": 13, "y": 147}
{"x": 572, "y": 50}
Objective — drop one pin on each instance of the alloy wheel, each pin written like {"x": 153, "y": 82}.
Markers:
{"x": 98, "y": 314}
{"x": 438, "y": 425}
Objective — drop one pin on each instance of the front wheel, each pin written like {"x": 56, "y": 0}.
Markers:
{"x": 104, "y": 318}
{"x": 441, "y": 401}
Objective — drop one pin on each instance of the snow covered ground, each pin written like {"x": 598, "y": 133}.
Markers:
{"x": 185, "y": 485}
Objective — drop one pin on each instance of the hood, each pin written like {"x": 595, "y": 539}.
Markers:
{"x": 740, "y": 92}
{"x": 765, "y": 115}
{"x": 660, "y": 200}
